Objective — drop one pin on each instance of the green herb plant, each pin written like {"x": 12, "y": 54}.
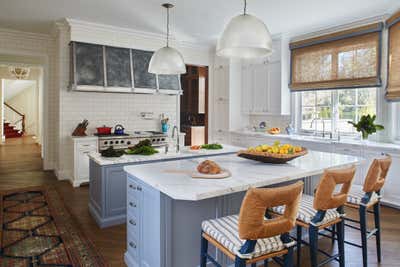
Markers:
{"x": 367, "y": 126}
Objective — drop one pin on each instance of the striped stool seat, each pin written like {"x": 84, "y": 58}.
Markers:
{"x": 306, "y": 211}
{"x": 357, "y": 193}
{"x": 225, "y": 231}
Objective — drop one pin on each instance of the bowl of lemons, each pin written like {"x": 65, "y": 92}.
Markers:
{"x": 276, "y": 153}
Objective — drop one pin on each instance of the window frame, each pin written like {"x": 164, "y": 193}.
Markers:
{"x": 335, "y": 111}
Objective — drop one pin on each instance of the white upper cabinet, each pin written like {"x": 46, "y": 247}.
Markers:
{"x": 261, "y": 85}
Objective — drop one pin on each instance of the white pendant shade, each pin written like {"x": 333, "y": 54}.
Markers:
{"x": 245, "y": 36}
{"x": 167, "y": 60}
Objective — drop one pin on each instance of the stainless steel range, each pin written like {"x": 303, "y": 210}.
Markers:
{"x": 158, "y": 139}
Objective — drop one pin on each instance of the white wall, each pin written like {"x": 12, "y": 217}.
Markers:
{"x": 111, "y": 108}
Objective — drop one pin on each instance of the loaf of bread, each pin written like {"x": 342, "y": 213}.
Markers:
{"x": 208, "y": 167}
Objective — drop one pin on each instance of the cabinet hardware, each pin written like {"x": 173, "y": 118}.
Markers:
{"x": 139, "y": 188}
{"x": 132, "y": 187}
{"x": 132, "y": 204}
{"x": 133, "y": 245}
{"x": 132, "y": 222}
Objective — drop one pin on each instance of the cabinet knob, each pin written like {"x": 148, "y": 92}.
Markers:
{"x": 132, "y": 204}
{"x": 132, "y": 186}
{"x": 139, "y": 188}
{"x": 131, "y": 244}
{"x": 132, "y": 222}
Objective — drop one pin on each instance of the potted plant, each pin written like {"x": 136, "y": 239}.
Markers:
{"x": 367, "y": 126}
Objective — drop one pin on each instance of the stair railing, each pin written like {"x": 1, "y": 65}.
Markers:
{"x": 21, "y": 117}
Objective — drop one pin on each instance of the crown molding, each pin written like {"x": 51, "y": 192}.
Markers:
{"x": 75, "y": 23}
{"x": 332, "y": 28}
{"x": 29, "y": 35}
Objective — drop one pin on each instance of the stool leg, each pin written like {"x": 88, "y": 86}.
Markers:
{"x": 333, "y": 229}
{"x": 377, "y": 218}
{"x": 299, "y": 237}
{"x": 239, "y": 262}
{"x": 288, "y": 258}
{"x": 363, "y": 228}
{"x": 203, "y": 252}
{"x": 340, "y": 238}
{"x": 313, "y": 235}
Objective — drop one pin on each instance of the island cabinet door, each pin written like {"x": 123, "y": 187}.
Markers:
{"x": 143, "y": 224}
{"x": 115, "y": 184}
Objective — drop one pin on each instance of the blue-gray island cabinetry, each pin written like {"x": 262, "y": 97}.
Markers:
{"x": 107, "y": 181}
{"x": 166, "y": 206}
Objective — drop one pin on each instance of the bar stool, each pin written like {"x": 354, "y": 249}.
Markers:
{"x": 323, "y": 211}
{"x": 249, "y": 237}
{"x": 366, "y": 197}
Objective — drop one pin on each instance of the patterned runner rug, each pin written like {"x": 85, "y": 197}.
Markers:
{"x": 38, "y": 230}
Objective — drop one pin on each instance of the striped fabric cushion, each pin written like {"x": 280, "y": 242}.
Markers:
{"x": 225, "y": 231}
{"x": 307, "y": 212}
{"x": 357, "y": 193}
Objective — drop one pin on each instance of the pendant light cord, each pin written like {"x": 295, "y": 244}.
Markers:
{"x": 167, "y": 27}
{"x": 245, "y": 7}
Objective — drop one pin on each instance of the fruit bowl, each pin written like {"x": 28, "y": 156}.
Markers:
{"x": 274, "y": 158}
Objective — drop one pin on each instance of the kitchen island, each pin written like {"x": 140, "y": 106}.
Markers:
{"x": 166, "y": 206}
{"x": 107, "y": 180}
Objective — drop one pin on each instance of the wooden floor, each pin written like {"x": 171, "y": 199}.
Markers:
{"x": 21, "y": 166}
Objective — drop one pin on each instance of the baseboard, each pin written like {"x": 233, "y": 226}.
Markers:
{"x": 49, "y": 166}
{"x": 64, "y": 175}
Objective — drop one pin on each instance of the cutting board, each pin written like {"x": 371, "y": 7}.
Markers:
{"x": 197, "y": 175}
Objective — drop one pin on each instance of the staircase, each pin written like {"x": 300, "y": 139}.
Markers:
{"x": 10, "y": 131}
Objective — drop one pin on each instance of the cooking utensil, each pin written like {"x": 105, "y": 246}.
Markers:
{"x": 104, "y": 130}
{"x": 119, "y": 129}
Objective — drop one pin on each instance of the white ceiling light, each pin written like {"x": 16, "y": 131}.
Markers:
{"x": 167, "y": 60}
{"x": 245, "y": 36}
{"x": 20, "y": 73}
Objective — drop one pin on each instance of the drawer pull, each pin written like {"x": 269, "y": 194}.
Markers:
{"x": 131, "y": 244}
{"x": 132, "y": 186}
{"x": 132, "y": 204}
{"x": 138, "y": 188}
{"x": 132, "y": 222}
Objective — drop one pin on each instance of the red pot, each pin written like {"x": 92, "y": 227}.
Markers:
{"x": 104, "y": 130}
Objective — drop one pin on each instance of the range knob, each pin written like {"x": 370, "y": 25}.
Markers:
{"x": 111, "y": 142}
{"x": 105, "y": 142}
{"x": 116, "y": 142}
{"x": 129, "y": 142}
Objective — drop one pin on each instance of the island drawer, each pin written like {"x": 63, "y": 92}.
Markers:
{"x": 133, "y": 224}
{"x": 133, "y": 204}
{"x": 132, "y": 246}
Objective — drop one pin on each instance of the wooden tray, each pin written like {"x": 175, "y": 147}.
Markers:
{"x": 271, "y": 158}
{"x": 197, "y": 175}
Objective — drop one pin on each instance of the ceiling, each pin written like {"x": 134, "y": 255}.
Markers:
{"x": 14, "y": 87}
{"x": 192, "y": 20}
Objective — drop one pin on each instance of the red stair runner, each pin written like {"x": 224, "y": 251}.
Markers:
{"x": 10, "y": 131}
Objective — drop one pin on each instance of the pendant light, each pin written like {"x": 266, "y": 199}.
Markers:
{"x": 167, "y": 60}
{"x": 245, "y": 36}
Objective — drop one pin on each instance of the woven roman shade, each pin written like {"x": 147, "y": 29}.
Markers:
{"x": 393, "y": 86}
{"x": 346, "y": 59}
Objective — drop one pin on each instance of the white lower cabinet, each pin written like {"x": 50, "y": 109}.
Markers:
{"x": 82, "y": 147}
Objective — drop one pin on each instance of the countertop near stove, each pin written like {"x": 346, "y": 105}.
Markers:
{"x": 184, "y": 153}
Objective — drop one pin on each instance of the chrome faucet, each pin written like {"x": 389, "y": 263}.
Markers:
{"x": 323, "y": 125}
{"x": 177, "y": 136}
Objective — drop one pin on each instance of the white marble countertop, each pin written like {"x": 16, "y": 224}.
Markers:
{"x": 185, "y": 152}
{"x": 305, "y": 138}
{"x": 173, "y": 177}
